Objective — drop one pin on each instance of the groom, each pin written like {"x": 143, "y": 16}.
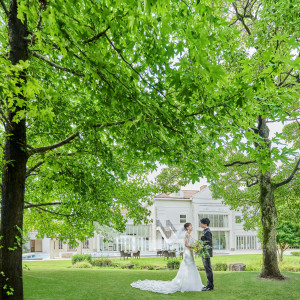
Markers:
{"x": 207, "y": 239}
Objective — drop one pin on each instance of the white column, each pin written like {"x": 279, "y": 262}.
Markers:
{"x": 231, "y": 225}
{"x": 95, "y": 242}
{"x": 153, "y": 229}
{"x": 99, "y": 246}
{"x": 56, "y": 248}
{"x": 65, "y": 247}
{"x": 51, "y": 249}
{"x": 79, "y": 248}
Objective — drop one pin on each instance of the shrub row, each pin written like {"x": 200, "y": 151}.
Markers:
{"x": 173, "y": 264}
{"x": 296, "y": 253}
{"x": 87, "y": 259}
{"x": 81, "y": 257}
{"x": 102, "y": 262}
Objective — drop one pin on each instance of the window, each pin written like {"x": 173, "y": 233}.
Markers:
{"x": 217, "y": 221}
{"x": 238, "y": 219}
{"x": 86, "y": 244}
{"x": 220, "y": 239}
{"x": 60, "y": 244}
{"x": 71, "y": 248}
{"x": 246, "y": 242}
{"x": 182, "y": 218}
{"x": 137, "y": 230}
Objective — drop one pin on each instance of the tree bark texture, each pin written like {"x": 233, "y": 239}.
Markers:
{"x": 14, "y": 170}
{"x": 270, "y": 267}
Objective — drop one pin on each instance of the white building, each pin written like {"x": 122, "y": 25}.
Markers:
{"x": 173, "y": 210}
{"x": 169, "y": 212}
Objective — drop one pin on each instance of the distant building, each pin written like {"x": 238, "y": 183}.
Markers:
{"x": 169, "y": 212}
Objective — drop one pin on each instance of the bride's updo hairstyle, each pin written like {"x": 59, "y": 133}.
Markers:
{"x": 186, "y": 225}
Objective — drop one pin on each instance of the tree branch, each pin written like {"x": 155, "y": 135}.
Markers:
{"x": 286, "y": 77}
{"x": 55, "y": 213}
{"x": 113, "y": 124}
{"x": 30, "y": 170}
{"x": 6, "y": 123}
{"x": 240, "y": 163}
{"x": 72, "y": 137}
{"x": 54, "y": 146}
{"x": 241, "y": 18}
{"x": 287, "y": 180}
{"x": 252, "y": 184}
{"x": 4, "y": 7}
{"x": 40, "y": 204}
{"x": 52, "y": 64}
{"x": 95, "y": 37}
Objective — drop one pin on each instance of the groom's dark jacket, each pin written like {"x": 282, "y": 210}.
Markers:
{"x": 207, "y": 238}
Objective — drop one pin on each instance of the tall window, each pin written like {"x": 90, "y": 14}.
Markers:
{"x": 135, "y": 237}
{"x": 182, "y": 218}
{"x": 60, "y": 244}
{"x": 246, "y": 242}
{"x": 220, "y": 239}
{"x": 86, "y": 244}
{"x": 137, "y": 230}
{"x": 217, "y": 221}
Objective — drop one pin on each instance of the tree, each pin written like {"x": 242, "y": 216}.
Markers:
{"x": 288, "y": 208}
{"x": 270, "y": 78}
{"x": 258, "y": 84}
{"x": 288, "y": 234}
{"x": 87, "y": 108}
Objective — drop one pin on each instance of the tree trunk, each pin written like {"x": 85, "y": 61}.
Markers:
{"x": 270, "y": 267}
{"x": 14, "y": 171}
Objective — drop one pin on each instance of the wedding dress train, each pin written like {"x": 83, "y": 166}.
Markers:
{"x": 186, "y": 280}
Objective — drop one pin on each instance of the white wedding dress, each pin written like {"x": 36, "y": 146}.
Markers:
{"x": 186, "y": 280}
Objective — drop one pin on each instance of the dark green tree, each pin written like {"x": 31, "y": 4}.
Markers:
{"x": 288, "y": 234}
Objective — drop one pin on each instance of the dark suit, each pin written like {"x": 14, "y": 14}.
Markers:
{"x": 207, "y": 239}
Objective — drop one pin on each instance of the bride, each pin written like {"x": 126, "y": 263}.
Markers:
{"x": 187, "y": 278}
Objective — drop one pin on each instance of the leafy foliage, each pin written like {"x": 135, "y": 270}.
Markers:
{"x": 288, "y": 235}
{"x": 81, "y": 257}
{"x": 101, "y": 103}
{"x": 173, "y": 263}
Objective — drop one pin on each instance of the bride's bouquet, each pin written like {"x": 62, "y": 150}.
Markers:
{"x": 201, "y": 248}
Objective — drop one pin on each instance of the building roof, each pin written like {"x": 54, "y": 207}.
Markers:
{"x": 187, "y": 194}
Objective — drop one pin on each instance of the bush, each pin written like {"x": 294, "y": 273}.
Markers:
{"x": 296, "y": 253}
{"x": 173, "y": 264}
{"x": 201, "y": 268}
{"x": 81, "y": 257}
{"x": 146, "y": 267}
{"x": 220, "y": 267}
{"x": 102, "y": 262}
{"x": 289, "y": 266}
{"x": 82, "y": 264}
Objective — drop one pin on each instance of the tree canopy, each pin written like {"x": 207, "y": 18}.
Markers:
{"x": 94, "y": 92}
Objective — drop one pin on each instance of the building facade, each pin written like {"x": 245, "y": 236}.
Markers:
{"x": 173, "y": 210}
{"x": 169, "y": 212}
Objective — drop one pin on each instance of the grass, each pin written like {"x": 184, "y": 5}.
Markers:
{"x": 47, "y": 280}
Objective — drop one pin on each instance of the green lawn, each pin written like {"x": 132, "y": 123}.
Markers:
{"x": 55, "y": 280}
